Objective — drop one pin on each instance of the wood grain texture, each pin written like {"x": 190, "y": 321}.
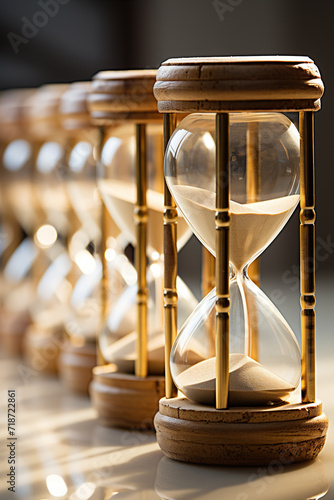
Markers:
{"x": 235, "y": 59}
{"x": 75, "y": 366}
{"x": 43, "y": 110}
{"x": 240, "y": 436}
{"x": 123, "y": 400}
{"x": 237, "y": 106}
{"x": 12, "y": 113}
{"x": 45, "y": 101}
{"x": 123, "y": 95}
{"x": 73, "y": 107}
{"x": 238, "y": 84}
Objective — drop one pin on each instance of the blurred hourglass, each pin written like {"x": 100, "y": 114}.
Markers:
{"x": 83, "y": 323}
{"x": 57, "y": 273}
{"x": 130, "y": 179}
{"x": 78, "y": 353}
{"x": 19, "y": 218}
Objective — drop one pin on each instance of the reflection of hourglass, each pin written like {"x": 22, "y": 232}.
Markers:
{"x": 294, "y": 482}
{"x": 19, "y": 218}
{"x": 235, "y": 177}
{"x": 130, "y": 179}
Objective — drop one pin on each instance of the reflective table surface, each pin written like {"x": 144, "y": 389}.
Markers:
{"x": 62, "y": 452}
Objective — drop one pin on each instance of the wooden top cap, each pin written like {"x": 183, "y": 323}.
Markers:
{"x": 45, "y": 102}
{"x": 213, "y": 84}
{"x": 43, "y": 109}
{"x": 12, "y": 112}
{"x": 73, "y": 106}
{"x": 123, "y": 95}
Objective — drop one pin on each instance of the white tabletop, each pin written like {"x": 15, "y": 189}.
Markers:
{"x": 62, "y": 452}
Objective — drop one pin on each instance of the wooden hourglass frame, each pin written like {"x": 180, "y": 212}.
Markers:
{"x": 122, "y": 399}
{"x": 290, "y": 432}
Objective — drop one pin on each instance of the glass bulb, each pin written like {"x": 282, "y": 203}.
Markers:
{"x": 118, "y": 338}
{"x": 82, "y": 188}
{"x": 117, "y": 183}
{"x": 56, "y": 273}
{"x": 50, "y": 185}
{"x": 20, "y": 216}
{"x": 264, "y": 187}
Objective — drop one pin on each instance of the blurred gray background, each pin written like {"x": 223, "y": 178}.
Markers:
{"x": 85, "y": 36}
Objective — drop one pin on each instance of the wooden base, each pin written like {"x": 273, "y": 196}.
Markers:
{"x": 286, "y": 434}
{"x": 13, "y": 328}
{"x": 123, "y": 400}
{"x": 75, "y": 366}
{"x": 42, "y": 347}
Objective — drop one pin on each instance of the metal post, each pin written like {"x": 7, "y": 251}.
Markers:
{"x": 170, "y": 266}
{"x": 253, "y": 188}
{"x": 140, "y": 216}
{"x": 104, "y": 235}
{"x": 307, "y": 252}
{"x": 222, "y": 219}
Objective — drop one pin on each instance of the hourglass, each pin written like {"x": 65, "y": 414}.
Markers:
{"x": 19, "y": 219}
{"x": 130, "y": 179}
{"x": 78, "y": 354}
{"x": 57, "y": 273}
{"x": 232, "y": 166}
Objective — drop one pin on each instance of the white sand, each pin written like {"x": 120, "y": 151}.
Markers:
{"x": 250, "y": 383}
{"x": 120, "y": 197}
{"x": 252, "y": 226}
{"x": 123, "y": 353}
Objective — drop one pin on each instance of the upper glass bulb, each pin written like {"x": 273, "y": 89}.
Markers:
{"x": 117, "y": 183}
{"x": 257, "y": 215}
{"x": 82, "y": 188}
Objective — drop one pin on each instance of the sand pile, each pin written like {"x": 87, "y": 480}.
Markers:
{"x": 250, "y": 383}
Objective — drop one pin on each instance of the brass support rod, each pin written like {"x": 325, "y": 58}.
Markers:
{"x": 140, "y": 217}
{"x": 222, "y": 219}
{"x": 104, "y": 285}
{"x": 253, "y": 189}
{"x": 105, "y": 279}
{"x": 307, "y": 254}
{"x": 170, "y": 266}
{"x": 253, "y": 177}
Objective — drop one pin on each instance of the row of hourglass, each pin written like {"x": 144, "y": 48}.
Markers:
{"x": 228, "y": 154}
{"x": 51, "y": 233}
{"x": 46, "y": 244}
